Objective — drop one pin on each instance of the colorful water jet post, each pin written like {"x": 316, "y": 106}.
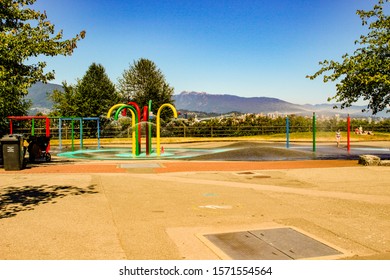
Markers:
{"x": 147, "y": 113}
{"x": 136, "y": 123}
{"x": 287, "y": 132}
{"x": 348, "y": 133}
{"x": 122, "y": 106}
{"x": 314, "y": 131}
{"x": 137, "y": 113}
{"x": 158, "y": 123}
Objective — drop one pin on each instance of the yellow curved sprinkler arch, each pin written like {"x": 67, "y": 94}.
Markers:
{"x": 113, "y": 108}
{"x": 133, "y": 146}
{"x": 158, "y": 123}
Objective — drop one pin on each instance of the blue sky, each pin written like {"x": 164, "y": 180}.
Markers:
{"x": 242, "y": 47}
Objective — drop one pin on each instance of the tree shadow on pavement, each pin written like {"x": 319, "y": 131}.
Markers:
{"x": 25, "y": 198}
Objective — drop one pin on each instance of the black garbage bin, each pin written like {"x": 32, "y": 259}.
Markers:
{"x": 13, "y": 154}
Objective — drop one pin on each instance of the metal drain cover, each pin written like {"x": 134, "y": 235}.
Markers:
{"x": 270, "y": 244}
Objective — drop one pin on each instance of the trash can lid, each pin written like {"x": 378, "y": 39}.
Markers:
{"x": 11, "y": 138}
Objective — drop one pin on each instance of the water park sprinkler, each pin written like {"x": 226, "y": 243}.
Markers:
{"x": 158, "y": 149}
{"x": 132, "y": 123}
{"x": 137, "y": 112}
{"x": 314, "y": 132}
{"x": 137, "y": 117}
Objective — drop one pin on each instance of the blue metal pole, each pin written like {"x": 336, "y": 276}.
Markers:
{"x": 287, "y": 133}
{"x": 81, "y": 133}
{"x": 72, "y": 135}
{"x": 98, "y": 132}
{"x": 314, "y": 131}
{"x": 59, "y": 132}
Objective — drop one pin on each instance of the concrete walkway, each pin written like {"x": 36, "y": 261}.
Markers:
{"x": 154, "y": 210}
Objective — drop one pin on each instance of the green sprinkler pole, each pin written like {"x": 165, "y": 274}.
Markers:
{"x": 314, "y": 131}
{"x": 32, "y": 127}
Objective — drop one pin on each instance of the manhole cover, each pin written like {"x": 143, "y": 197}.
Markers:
{"x": 270, "y": 244}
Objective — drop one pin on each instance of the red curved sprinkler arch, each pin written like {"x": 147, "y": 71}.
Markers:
{"x": 24, "y": 118}
{"x": 144, "y": 116}
{"x": 135, "y": 105}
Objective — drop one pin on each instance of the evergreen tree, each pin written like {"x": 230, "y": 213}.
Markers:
{"x": 142, "y": 82}
{"x": 92, "y": 96}
{"x": 96, "y": 92}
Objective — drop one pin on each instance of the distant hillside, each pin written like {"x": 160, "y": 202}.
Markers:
{"x": 217, "y": 104}
{"x": 353, "y": 111}
{"x": 38, "y": 95}
{"x": 224, "y": 103}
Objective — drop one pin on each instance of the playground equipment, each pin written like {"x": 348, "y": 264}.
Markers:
{"x": 39, "y": 147}
{"x": 137, "y": 118}
{"x": 80, "y": 119}
{"x": 32, "y": 118}
{"x": 315, "y": 132}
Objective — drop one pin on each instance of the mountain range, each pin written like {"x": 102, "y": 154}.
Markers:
{"x": 224, "y": 103}
{"x": 38, "y": 95}
{"x": 217, "y": 103}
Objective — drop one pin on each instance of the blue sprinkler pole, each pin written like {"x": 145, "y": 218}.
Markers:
{"x": 314, "y": 132}
{"x": 98, "y": 132}
{"x": 287, "y": 133}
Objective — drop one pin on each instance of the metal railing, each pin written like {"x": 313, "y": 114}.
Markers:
{"x": 191, "y": 131}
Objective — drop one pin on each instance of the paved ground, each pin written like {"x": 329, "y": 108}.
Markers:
{"x": 162, "y": 209}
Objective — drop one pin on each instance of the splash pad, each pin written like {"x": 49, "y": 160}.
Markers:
{"x": 138, "y": 118}
{"x": 136, "y": 122}
{"x": 125, "y": 154}
{"x": 248, "y": 152}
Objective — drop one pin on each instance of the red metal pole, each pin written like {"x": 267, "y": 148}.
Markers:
{"x": 10, "y": 126}
{"x": 138, "y": 116}
{"x": 47, "y": 127}
{"x": 48, "y": 133}
{"x": 348, "y": 133}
